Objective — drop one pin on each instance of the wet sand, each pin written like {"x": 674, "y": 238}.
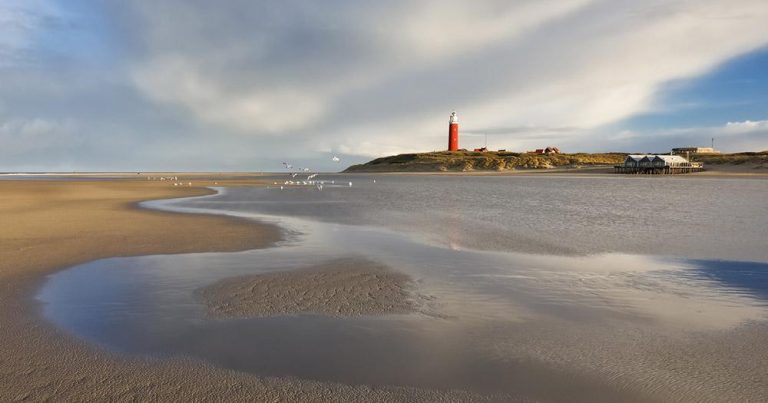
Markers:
{"x": 50, "y": 225}
{"x": 47, "y": 226}
{"x": 341, "y": 287}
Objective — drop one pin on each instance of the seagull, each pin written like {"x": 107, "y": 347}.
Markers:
{"x": 287, "y": 165}
{"x": 335, "y": 159}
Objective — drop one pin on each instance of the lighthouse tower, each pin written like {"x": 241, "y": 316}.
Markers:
{"x": 453, "y": 132}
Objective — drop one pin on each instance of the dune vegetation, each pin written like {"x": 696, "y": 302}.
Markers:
{"x": 758, "y": 159}
{"x": 466, "y": 161}
{"x": 463, "y": 161}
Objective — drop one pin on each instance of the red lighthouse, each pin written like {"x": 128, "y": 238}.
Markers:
{"x": 453, "y": 133}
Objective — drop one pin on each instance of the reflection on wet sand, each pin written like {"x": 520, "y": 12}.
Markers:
{"x": 668, "y": 293}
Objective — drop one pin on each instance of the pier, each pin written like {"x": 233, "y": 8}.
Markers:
{"x": 621, "y": 169}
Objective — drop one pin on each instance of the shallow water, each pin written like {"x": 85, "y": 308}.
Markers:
{"x": 550, "y": 287}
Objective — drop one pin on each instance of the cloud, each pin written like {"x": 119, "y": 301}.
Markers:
{"x": 27, "y": 130}
{"x": 274, "y": 111}
{"x": 746, "y": 126}
{"x": 274, "y": 74}
{"x": 23, "y": 23}
{"x": 370, "y": 79}
{"x": 253, "y": 80}
{"x": 17, "y": 26}
{"x": 35, "y": 139}
{"x": 729, "y": 137}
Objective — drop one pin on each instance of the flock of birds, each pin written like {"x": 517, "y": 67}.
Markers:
{"x": 175, "y": 180}
{"x": 310, "y": 179}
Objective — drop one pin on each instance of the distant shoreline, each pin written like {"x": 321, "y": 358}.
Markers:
{"x": 740, "y": 172}
{"x": 510, "y": 163}
{"x": 257, "y": 179}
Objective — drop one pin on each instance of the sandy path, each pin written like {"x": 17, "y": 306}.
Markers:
{"x": 48, "y": 225}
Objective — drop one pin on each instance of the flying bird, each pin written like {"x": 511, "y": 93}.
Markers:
{"x": 335, "y": 159}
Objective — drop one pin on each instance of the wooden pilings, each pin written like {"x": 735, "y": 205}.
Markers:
{"x": 621, "y": 169}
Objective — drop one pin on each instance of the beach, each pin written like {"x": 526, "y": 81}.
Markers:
{"x": 435, "y": 318}
{"x": 50, "y": 225}
{"x": 384, "y": 202}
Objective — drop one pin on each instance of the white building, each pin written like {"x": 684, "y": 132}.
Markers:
{"x": 657, "y": 164}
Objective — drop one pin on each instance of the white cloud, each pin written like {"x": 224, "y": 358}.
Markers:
{"x": 301, "y": 77}
{"x": 747, "y": 126}
{"x": 402, "y": 38}
{"x": 16, "y": 29}
{"x": 20, "y": 136}
{"x": 274, "y": 111}
{"x": 449, "y": 29}
{"x": 580, "y": 63}
{"x": 21, "y": 23}
{"x": 729, "y": 137}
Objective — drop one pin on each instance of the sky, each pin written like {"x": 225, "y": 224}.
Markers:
{"x": 243, "y": 85}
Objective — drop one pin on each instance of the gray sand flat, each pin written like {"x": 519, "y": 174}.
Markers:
{"x": 342, "y": 287}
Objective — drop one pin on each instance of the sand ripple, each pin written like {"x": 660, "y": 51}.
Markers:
{"x": 341, "y": 287}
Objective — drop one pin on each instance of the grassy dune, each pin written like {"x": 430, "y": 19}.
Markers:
{"x": 465, "y": 161}
{"x": 759, "y": 159}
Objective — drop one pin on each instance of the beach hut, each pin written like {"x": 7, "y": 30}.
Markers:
{"x": 657, "y": 164}
{"x": 646, "y": 162}
{"x": 632, "y": 161}
{"x": 669, "y": 161}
